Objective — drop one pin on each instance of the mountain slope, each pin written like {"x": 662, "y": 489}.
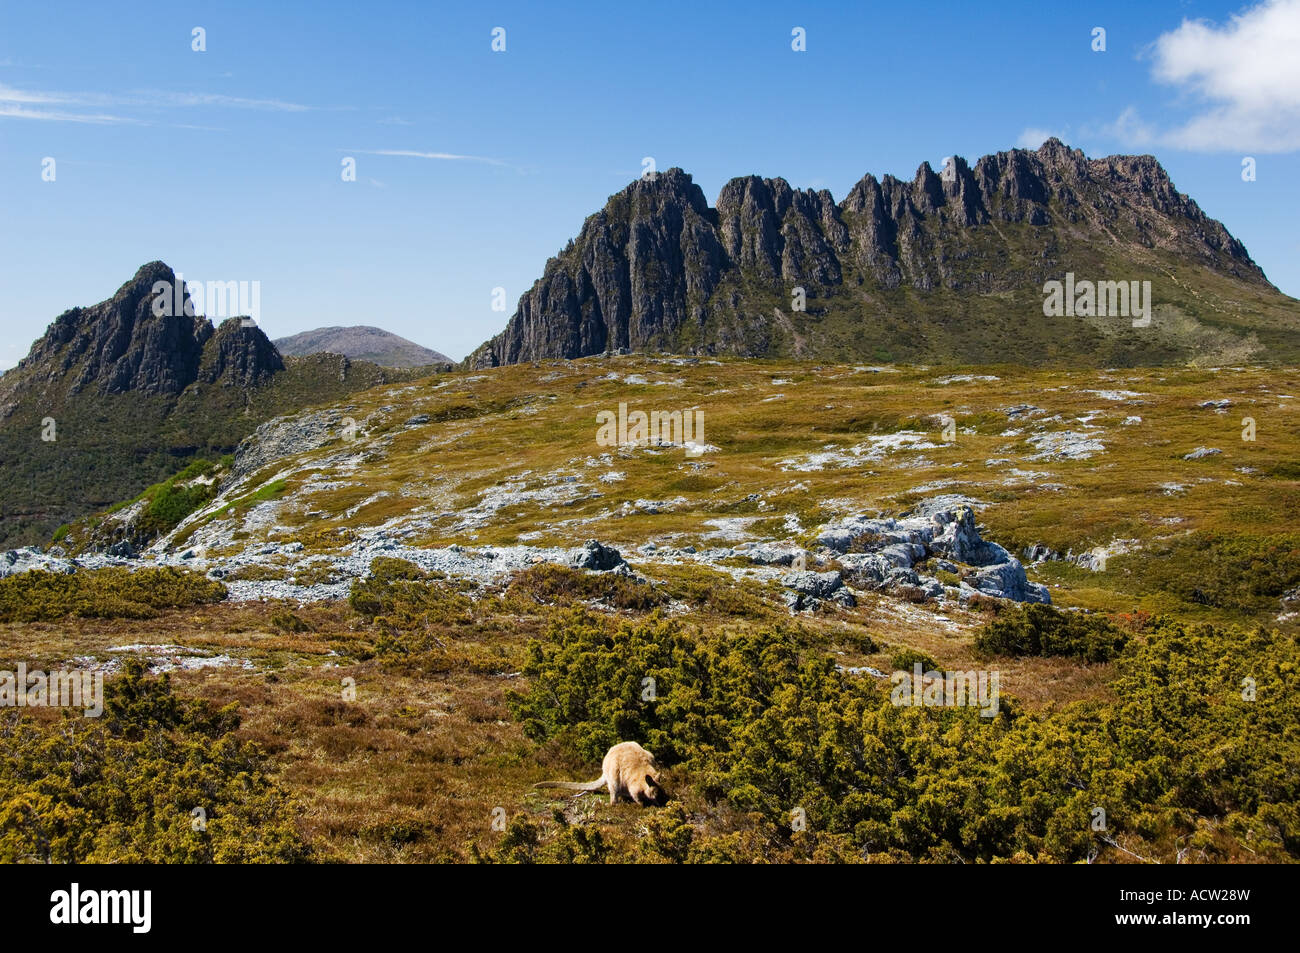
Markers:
{"x": 1121, "y": 489}
{"x": 361, "y": 343}
{"x": 113, "y": 398}
{"x": 947, "y": 267}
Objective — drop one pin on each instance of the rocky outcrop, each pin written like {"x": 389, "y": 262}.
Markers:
{"x": 941, "y": 533}
{"x": 136, "y": 393}
{"x": 657, "y": 269}
{"x": 596, "y": 556}
{"x": 285, "y": 436}
{"x": 641, "y": 269}
{"x": 239, "y": 355}
{"x": 809, "y": 589}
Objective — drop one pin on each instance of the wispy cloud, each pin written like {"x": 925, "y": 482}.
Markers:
{"x": 16, "y": 111}
{"x": 154, "y": 98}
{"x": 1243, "y": 77}
{"x": 19, "y": 103}
{"x": 411, "y": 153}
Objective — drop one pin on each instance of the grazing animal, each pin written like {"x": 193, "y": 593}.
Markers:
{"x": 628, "y": 771}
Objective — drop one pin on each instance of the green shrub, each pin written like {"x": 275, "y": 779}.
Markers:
{"x": 1038, "y": 629}
{"x": 289, "y": 622}
{"x": 1233, "y": 572}
{"x": 710, "y": 591}
{"x": 751, "y": 721}
{"x": 904, "y": 659}
{"x": 524, "y": 843}
{"x": 169, "y": 502}
{"x": 410, "y": 607}
{"x": 195, "y": 469}
{"x": 550, "y": 584}
{"x": 110, "y": 593}
{"x": 594, "y": 684}
{"x": 125, "y": 787}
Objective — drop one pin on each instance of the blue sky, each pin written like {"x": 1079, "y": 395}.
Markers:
{"x": 473, "y": 166}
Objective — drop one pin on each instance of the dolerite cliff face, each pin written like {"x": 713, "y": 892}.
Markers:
{"x": 642, "y": 268}
{"x": 121, "y": 345}
{"x": 938, "y": 268}
{"x": 239, "y": 355}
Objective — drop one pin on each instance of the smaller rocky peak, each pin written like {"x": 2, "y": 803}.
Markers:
{"x": 239, "y": 354}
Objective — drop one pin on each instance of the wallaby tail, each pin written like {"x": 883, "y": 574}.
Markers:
{"x": 573, "y": 785}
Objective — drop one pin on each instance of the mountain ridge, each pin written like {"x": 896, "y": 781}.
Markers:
{"x": 926, "y": 269}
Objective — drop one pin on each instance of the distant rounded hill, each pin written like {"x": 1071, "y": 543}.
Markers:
{"x": 361, "y": 343}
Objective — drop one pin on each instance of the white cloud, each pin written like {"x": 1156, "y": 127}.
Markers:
{"x": 1243, "y": 76}
{"x": 1034, "y": 136}
{"x": 449, "y": 156}
{"x": 1131, "y": 128}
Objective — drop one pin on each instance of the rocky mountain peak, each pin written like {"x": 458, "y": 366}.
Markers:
{"x": 144, "y": 339}
{"x": 121, "y": 344}
{"x": 658, "y": 269}
{"x": 239, "y": 355}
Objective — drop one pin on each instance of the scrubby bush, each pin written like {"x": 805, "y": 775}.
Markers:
{"x": 756, "y": 725}
{"x": 904, "y": 659}
{"x": 524, "y": 843}
{"x": 110, "y": 593}
{"x": 707, "y": 590}
{"x": 125, "y": 787}
{"x": 287, "y": 621}
{"x": 594, "y": 684}
{"x": 410, "y": 607}
{"x": 169, "y": 502}
{"x": 1225, "y": 571}
{"x": 549, "y": 584}
{"x": 1037, "y": 629}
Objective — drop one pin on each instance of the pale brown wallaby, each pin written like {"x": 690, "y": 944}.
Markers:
{"x": 628, "y": 771}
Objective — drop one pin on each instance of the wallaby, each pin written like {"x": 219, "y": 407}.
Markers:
{"x": 628, "y": 771}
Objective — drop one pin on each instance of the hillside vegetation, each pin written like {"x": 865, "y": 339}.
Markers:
{"x": 1149, "y": 714}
